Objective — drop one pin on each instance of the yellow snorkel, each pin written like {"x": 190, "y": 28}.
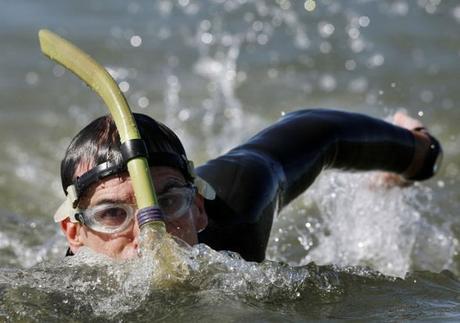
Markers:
{"x": 170, "y": 267}
{"x": 98, "y": 79}
{"x": 166, "y": 253}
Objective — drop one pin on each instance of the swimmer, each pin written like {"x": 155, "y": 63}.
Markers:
{"x": 229, "y": 202}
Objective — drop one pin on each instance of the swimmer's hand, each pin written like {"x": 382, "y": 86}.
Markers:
{"x": 387, "y": 179}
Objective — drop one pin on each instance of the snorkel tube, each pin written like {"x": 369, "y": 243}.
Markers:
{"x": 132, "y": 146}
{"x": 155, "y": 244}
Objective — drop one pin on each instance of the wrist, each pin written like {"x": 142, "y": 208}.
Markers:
{"x": 427, "y": 156}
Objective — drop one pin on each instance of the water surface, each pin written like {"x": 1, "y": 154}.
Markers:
{"x": 217, "y": 72}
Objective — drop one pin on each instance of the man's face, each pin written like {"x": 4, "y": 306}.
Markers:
{"x": 118, "y": 189}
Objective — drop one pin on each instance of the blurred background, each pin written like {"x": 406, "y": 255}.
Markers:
{"x": 217, "y": 72}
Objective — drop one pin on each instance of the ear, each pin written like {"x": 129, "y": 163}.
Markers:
{"x": 71, "y": 231}
{"x": 201, "y": 218}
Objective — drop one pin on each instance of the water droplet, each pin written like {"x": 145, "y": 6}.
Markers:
{"x": 257, "y": 25}
{"x": 325, "y": 29}
{"x": 350, "y": 65}
{"x": 285, "y": 5}
{"x": 310, "y": 5}
{"x": 420, "y": 113}
{"x": 357, "y": 45}
{"x": 136, "y": 41}
{"x": 205, "y": 25}
{"x": 456, "y": 13}
{"x": 32, "y": 78}
{"x": 124, "y": 86}
{"x": 400, "y": 8}
{"x": 393, "y": 84}
{"x": 327, "y": 83}
{"x": 353, "y": 33}
{"x": 184, "y": 115}
{"x": 364, "y": 21}
{"x": 206, "y": 38}
{"x": 143, "y": 102}
{"x": 184, "y": 3}
{"x": 262, "y": 39}
{"x": 376, "y": 60}
{"x": 441, "y": 184}
{"x": 358, "y": 85}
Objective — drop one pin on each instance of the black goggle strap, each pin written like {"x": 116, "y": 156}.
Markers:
{"x": 95, "y": 174}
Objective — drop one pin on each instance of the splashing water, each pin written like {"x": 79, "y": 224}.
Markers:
{"x": 356, "y": 222}
{"x": 90, "y": 286}
{"x": 99, "y": 286}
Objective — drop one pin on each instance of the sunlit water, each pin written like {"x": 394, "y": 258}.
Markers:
{"x": 217, "y": 72}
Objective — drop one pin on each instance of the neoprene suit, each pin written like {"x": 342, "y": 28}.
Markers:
{"x": 258, "y": 178}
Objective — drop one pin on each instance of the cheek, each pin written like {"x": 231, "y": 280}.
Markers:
{"x": 184, "y": 224}
{"x": 121, "y": 246}
{"x": 183, "y": 228}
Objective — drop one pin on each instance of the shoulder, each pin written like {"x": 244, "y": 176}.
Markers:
{"x": 246, "y": 183}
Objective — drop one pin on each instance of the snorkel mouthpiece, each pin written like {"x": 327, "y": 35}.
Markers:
{"x": 97, "y": 78}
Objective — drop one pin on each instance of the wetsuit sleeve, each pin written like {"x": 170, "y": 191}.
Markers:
{"x": 255, "y": 179}
{"x": 305, "y": 142}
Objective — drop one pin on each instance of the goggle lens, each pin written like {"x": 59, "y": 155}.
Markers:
{"x": 175, "y": 202}
{"x": 113, "y": 218}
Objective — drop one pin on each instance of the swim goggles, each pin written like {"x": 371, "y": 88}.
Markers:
{"x": 116, "y": 217}
{"x": 109, "y": 168}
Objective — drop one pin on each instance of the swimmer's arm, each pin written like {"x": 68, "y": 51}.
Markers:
{"x": 305, "y": 142}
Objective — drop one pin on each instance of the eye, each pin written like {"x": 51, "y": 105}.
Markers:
{"x": 113, "y": 216}
{"x": 170, "y": 202}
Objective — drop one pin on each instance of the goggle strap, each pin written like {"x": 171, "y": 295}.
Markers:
{"x": 95, "y": 174}
{"x": 68, "y": 208}
{"x": 204, "y": 188}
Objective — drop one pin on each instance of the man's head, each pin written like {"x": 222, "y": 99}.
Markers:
{"x": 94, "y": 173}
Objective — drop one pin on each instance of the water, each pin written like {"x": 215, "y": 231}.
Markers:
{"x": 217, "y": 72}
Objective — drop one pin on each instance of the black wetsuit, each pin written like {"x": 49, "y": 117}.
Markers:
{"x": 280, "y": 162}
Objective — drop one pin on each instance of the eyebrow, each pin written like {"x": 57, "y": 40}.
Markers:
{"x": 171, "y": 184}
{"x": 108, "y": 201}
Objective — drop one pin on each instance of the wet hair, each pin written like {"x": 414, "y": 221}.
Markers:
{"x": 99, "y": 142}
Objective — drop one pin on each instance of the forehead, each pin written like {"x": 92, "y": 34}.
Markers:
{"x": 118, "y": 188}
